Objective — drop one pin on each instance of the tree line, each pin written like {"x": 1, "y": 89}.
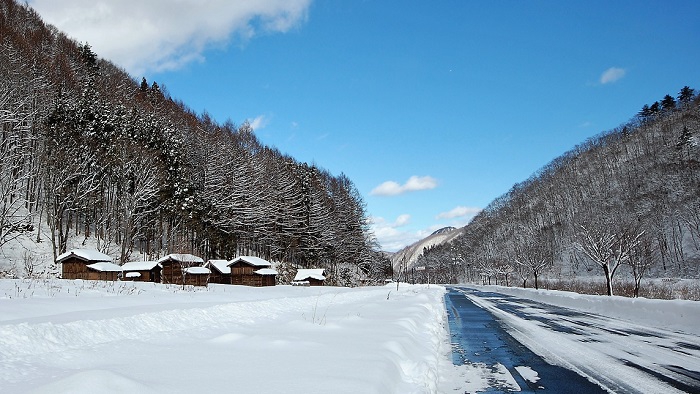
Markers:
{"x": 626, "y": 200}
{"x": 88, "y": 152}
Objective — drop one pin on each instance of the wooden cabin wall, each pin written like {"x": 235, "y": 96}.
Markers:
{"x": 74, "y": 269}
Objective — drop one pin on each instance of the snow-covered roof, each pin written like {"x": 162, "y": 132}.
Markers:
{"x": 105, "y": 267}
{"x": 220, "y": 265}
{"x": 198, "y": 271}
{"x": 182, "y": 257}
{"x": 133, "y": 274}
{"x": 251, "y": 260}
{"x": 313, "y": 273}
{"x": 266, "y": 271}
{"x": 139, "y": 266}
{"x": 84, "y": 254}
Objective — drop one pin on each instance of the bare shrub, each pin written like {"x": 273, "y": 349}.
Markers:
{"x": 667, "y": 289}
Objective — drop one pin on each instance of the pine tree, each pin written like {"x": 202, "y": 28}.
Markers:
{"x": 668, "y": 103}
{"x": 686, "y": 94}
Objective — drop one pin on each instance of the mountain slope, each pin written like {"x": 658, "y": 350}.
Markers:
{"x": 409, "y": 255}
{"x": 89, "y": 153}
{"x": 623, "y": 204}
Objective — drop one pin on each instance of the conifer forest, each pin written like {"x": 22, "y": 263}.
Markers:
{"x": 87, "y": 151}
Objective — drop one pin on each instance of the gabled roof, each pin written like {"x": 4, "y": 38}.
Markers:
{"x": 182, "y": 258}
{"x": 251, "y": 260}
{"x": 105, "y": 267}
{"x": 84, "y": 254}
{"x": 219, "y": 265}
{"x": 197, "y": 271}
{"x": 266, "y": 271}
{"x": 139, "y": 266}
{"x": 313, "y": 273}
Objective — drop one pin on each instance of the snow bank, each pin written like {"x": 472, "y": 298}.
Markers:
{"x": 679, "y": 315}
{"x": 85, "y": 338}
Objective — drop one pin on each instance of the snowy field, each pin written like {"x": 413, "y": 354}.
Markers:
{"x": 59, "y": 336}
{"x": 117, "y": 337}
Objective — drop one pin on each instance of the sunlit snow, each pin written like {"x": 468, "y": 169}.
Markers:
{"x": 114, "y": 337}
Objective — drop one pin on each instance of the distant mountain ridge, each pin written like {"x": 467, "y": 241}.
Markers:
{"x": 410, "y": 253}
{"x": 443, "y": 230}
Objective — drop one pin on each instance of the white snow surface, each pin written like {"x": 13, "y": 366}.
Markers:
{"x": 528, "y": 373}
{"x": 266, "y": 271}
{"x": 219, "y": 265}
{"x": 198, "y": 270}
{"x": 252, "y": 260}
{"x": 85, "y": 254}
{"x": 182, "y": 257}
{"x": 306, "y": 273}
{"x": 105, "y": 267}
{"x": 139, "y": 265}
{"x": 59, "y": 336}
{"x": 77, "y": 336}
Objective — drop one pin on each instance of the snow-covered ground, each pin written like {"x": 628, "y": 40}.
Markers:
{"x": 116, "y": 337}
{"x": 88, "y": 337}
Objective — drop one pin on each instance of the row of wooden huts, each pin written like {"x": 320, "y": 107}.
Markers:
{"x": 179, "y": 268}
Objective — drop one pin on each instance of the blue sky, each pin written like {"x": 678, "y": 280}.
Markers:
{"x": 432, "y": 108}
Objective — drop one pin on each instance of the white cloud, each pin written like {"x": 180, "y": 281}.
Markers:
{"x": 613, "y": 74}
{"x": 402, "y": 220}
{"x": 258, "y": 122}
{"x": 390, "y": 235}
{"x": 459, "y": 212}
{"x": 459, "y": 216}
{"x": 414, "y": 183}
{"x": 157, "y": 35}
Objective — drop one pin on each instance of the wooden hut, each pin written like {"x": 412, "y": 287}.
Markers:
{"x": 104, "y": 271}
{"x": 174, "y": 264}
{"x": 74, "y": 264}
{"x": 252, "y": 271}
{"x": 220, "y": 271}
{"x": 310, "y": 277}
{"x": 142, "y": 271}
{"x": 197, "y": 276}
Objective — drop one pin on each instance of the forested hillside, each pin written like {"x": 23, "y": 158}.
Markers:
{"x": 87, "y": 151}
{"x": 625, "y": 203}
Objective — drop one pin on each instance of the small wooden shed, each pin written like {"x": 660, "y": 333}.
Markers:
{"x": 220, "y": 271}
{"x": 104, "y": 271}
{"x": 197, "y": 276}
{"x": 142, "y": 271}
{"x": 74, "y": 264}
{"x": 174, "y": 264}
{"x": 252, "y": 271}
{"x": 310, "y": 277}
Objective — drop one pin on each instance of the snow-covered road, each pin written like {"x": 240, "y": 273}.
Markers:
{"x": 480, "y": 342}
{"x": 616, "y": 353}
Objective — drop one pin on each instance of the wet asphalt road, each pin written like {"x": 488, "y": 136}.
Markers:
{"x": 478, "y": 337}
